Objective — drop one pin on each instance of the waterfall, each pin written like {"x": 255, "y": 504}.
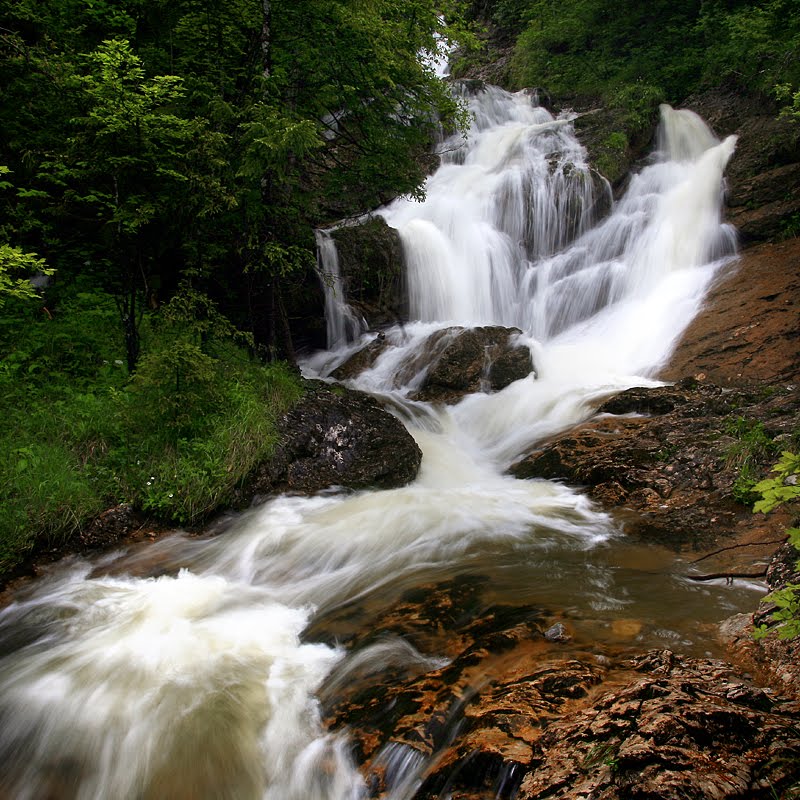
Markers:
{"x": 182, "y": 669}
{"x": 342, "y": 323}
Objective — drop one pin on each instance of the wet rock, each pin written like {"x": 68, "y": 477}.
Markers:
{"x": 372, "y": 268}
{"x": 337, "y": 437}
{"x": 361, "y": 360}
{"x": 453, "y": 361}
{"x": 518, "y": 721}
{"x": 112, "y": 526}
{"x": 557, "y": 633}
{"x": 469, "y": 360}
{"x": 748, "y": 332}
{"x": 481, "y": 728}
{"x": 684, "y": 728}
{"x": 671, "y": 473}
{"x": 613, "y": 143}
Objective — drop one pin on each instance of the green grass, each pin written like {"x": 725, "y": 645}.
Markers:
{"x": 751, "y": 448}
{"x": 78, "y": 436}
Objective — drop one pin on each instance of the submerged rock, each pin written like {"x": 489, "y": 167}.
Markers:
{"x": 510, "y": 714}
{"x": 338, "y": 437}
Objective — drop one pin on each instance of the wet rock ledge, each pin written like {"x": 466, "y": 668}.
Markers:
{"x": 667, "y": 459}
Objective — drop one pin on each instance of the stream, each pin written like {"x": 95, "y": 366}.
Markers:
{"x": 181, "y": 669}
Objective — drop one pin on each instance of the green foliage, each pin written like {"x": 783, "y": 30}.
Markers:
{"x": 17, "y": 267}
{"x": 78, "y": 435}
{"x": 589, "y": 48}
{"x": 13, "y": 262}
{"x": 775, "y": 492}
{"x": 752, "y": 446}
{"x": 782, "y": 488}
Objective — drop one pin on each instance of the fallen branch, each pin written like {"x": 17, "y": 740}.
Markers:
{"x": 735, "y": 546}
{"x": 729, "y": 576}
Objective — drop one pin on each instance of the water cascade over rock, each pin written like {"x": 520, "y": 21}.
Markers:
{"x": 194, "y": 667}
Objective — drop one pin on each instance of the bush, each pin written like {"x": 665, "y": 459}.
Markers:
{"x": 783, "y": 488}
{"x": 78, "y": 435}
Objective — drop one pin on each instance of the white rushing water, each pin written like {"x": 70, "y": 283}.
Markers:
{"x": 181, "y": 671}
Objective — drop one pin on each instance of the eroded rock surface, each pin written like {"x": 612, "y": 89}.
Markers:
{"x": 513, "y": 714}
{"x": 668, "y": 458}
{"x": 683, "y": 729}
{"x": 749, "y": 332}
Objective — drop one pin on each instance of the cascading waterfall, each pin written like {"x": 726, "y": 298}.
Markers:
{"x": 181, "y": 670}
{"x": 342, "y": 323}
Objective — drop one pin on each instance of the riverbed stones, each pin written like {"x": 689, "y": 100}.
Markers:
{"x": 510, "y": 714}
{"x": 337, "y": 437}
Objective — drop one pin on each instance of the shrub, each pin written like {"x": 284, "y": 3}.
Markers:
{"x": 783, "y": 488}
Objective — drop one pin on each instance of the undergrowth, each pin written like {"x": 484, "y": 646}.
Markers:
{"x": 78, "y": 435}
{"x": 784, "y": 487}
{"x": 752, "y": 446}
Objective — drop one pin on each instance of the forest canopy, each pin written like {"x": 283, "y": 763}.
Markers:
{"x": 163, "y": 164}
{"x": 672, "y": 47}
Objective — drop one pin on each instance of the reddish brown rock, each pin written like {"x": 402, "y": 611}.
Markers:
{"x": 511, "y": 715}
{"x": 682, "y": 729}
{"x": 749, "y": 331}
{"x": 670, "y": 469}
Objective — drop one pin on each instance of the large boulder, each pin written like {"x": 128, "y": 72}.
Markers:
{"x": 469, "y": 360}
{"x": 337, "y": 437}
{"x": 372, "y": 269}
{"x": 615, "y": 142}
{"x": 454, "y": 361}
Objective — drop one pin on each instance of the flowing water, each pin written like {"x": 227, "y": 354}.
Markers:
{"x": 181, "y": 670}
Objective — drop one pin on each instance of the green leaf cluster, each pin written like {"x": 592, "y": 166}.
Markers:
{"x": 783, "y": 488}
{"x": 587, "y": 48}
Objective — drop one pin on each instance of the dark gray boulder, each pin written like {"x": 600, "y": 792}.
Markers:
{"x": 337, "y": 437}
{"x": 472, "y": 360}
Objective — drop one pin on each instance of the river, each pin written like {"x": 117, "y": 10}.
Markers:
{"x": 181, "y": 670}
